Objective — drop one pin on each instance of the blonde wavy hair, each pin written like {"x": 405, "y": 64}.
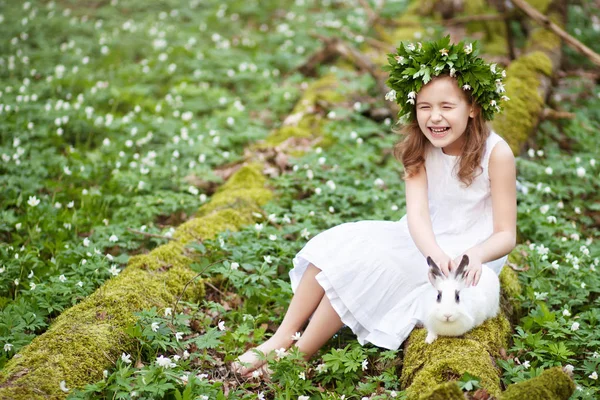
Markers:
{"x": 410, "y": 151}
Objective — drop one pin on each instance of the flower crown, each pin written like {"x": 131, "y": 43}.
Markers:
{"x": 414, "y": 65}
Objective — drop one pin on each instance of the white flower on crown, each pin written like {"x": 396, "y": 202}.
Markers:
{"x": 505, "y": 98}
{"x": 391, "y": 95}
{"x": 493, "y": 103}
{"x": 400, "y": 59}
{"x": 412, "y": 95}
{"x": 493, "y": 68}
{"x": 419, "y": 46}
{"x": 411, "y": 101}
{"x": 500, "y": 87}
{"x": 503, "y": 74}
{"x": 466, "y": 87}
{"x": 452, "y": 72}
{"x": 444, "y": 52}
{"x": 411, "y": 47}
{"x": 468, "y": 48}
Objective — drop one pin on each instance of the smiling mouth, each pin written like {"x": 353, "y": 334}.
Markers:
{"x": 439, "y": 131}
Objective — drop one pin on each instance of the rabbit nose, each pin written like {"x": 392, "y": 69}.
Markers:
{"x": 448, "y": 316}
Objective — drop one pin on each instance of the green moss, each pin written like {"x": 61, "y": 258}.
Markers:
{"x": 89, "y": 337}
{"x": 552, "y": 384}
{"x": 248, "y": 177}
{"x": 510, "y": 292}
{"x": 540, "y": 5}
{"x": 309, "y": 124}
{"x": 520, "y": 115}
{"x": 281, "y": 135}
{"x": 444, "y": 391}
{"x": 544, "y": 40}
{"x": 493, "y": 32}
{"x": 427, "y": 365}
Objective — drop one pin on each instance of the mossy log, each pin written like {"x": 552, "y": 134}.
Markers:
{"x": 89, "y": 337}
{"x": 529, "y": 79}
{"x": 552, "y": 384}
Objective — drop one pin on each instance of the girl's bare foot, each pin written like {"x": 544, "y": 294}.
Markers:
{"x": 255, "y": 359}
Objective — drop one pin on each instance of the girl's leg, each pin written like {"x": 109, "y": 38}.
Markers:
{"x": 303, "y": 304}
{"x": 324, "y": 323}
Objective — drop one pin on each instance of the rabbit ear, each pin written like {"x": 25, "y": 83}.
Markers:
{"x": 435, "y": 273}
{"x": 460, "y": 271}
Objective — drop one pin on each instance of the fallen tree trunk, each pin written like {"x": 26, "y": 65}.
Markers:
{"x": 89, "y": 337}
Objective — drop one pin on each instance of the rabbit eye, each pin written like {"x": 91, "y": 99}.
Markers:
{"x": 439, "y": 296}
{"x": 456, "y": 296}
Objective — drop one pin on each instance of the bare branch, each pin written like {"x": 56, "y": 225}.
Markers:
{"x": 570, "y": 40}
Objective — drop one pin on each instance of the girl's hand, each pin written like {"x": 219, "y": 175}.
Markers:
{"x": 473, "y": 270}
{"x": 443, "y": 261}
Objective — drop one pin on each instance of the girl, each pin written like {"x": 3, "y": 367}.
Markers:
{"x": 460, "y": 197}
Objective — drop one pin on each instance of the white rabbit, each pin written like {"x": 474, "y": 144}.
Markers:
{"x": 458, "y": 308}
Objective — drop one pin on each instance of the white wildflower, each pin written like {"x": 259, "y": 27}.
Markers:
{"x": 280, "y": 353}
{"x": 296, "y": 336}
{"x": 126, "y": 358}
{"x": 593, "y": 375}
{"x": 8, "y": 347}
{"x": 566, "y": 313}
{"x": 154, "y": 326}
{"x": 33, "y": 201}
{"x": 580, "y": 172}
{"x": 575, "y": 326}
{"x": 63, "y": 386}
{"x": 466, "y": 87}
{"x": 62, "y": 278}
{"x": 178, "y": 336}
{"x": 114, "y": 271}
{"x": 468, "y": 48}
{"x": 165, "y": 362}
{"x": 569, "y": 368}
{"x": 221, "y": 325}
{"x": 113, "y": 238}
{"x": 391, "y": 95}
{"x": 235, "y": 266}
{"x": 168, "y": 311}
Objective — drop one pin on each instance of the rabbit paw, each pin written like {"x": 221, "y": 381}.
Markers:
{"x": 430, "y": 337}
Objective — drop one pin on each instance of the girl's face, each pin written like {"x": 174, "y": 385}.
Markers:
{"x": 443, "y": 113}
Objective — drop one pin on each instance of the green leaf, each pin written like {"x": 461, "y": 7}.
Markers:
{"x": 469, "y": 382}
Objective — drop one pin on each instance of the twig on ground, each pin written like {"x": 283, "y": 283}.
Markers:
{"x": 188, "y": 283}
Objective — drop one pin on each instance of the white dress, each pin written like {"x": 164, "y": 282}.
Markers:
{"x": 373, "y": 273}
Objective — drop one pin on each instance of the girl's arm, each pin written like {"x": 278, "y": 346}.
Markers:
{"x": 503, "y": 182}
{"x": 419, "y": 220}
